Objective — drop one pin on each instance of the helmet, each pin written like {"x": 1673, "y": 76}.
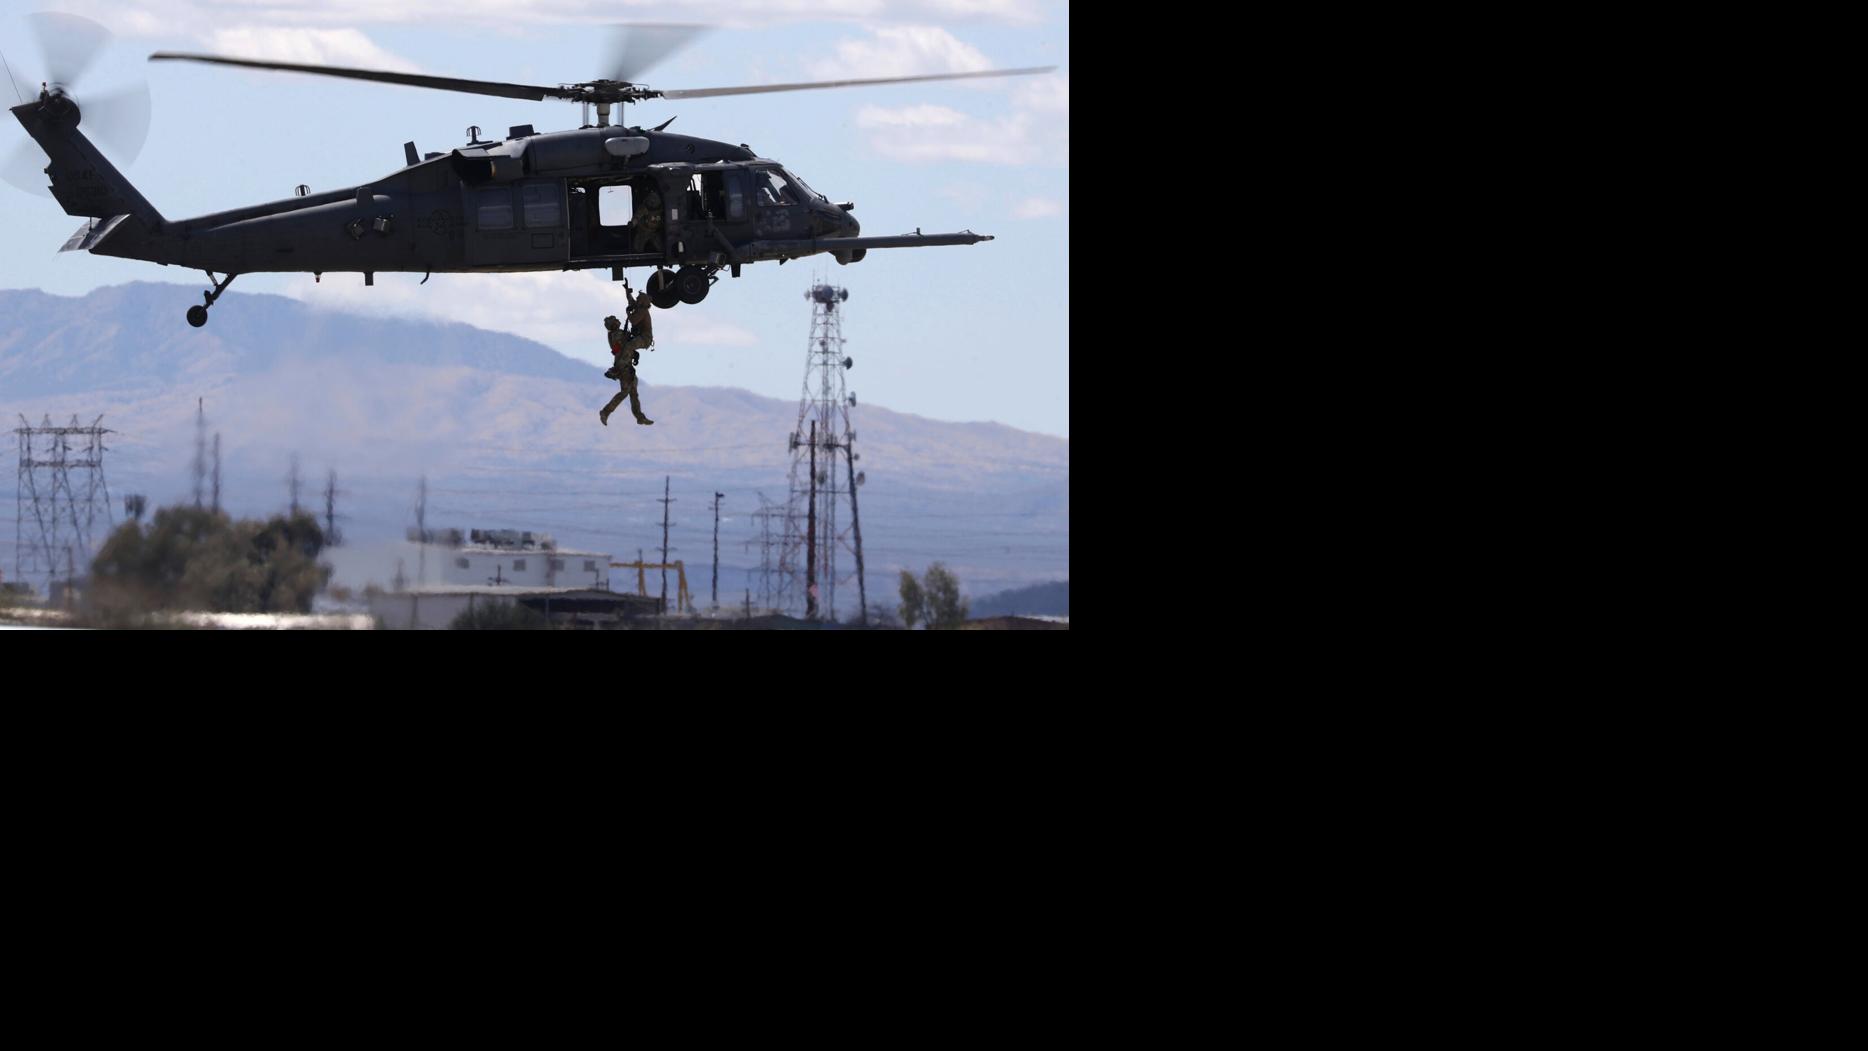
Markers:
{"x": 611, "y": 322}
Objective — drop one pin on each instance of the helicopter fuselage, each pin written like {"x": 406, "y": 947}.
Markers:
{"x": 529, "y": 202}
{"x": 603, "y": 196}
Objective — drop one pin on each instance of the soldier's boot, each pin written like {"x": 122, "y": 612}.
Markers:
{"x": 643, "y": 419}
{"x": 604, "y": 415}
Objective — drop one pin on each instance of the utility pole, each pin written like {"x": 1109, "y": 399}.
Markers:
{"x": 856, "y": 527}
{"x": 421, "y": 532}
{"x": 217, "y": 471}
{"x": 201, "y": 442}
{"x": 717, "y": 497}
{"x": 665, "y": 501}
{"x": 331, "y": 536}
{"x": 291, "y": 481}
{"x": 810, "y": 542}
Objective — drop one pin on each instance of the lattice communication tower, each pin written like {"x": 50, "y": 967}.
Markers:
{"x": 818, "y": 526}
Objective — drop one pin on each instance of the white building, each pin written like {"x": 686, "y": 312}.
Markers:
{"x": 523, "y": 567}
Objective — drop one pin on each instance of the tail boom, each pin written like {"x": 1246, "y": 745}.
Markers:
{"x": 82, "y": 181}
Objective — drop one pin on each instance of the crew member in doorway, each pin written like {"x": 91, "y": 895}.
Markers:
{"x": 648, "y": 223}
{"x": 624, "y": 372}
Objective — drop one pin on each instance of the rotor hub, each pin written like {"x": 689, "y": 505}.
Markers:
{"x": 607, "y": 91}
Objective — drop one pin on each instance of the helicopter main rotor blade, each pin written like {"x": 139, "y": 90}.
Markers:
{"x": 635, "y": 49}
{"x": 67, "y": 43}
{"x": 472, "y": 87}
{"x": 708, "y": 93}
{"x": 25, "y": 168}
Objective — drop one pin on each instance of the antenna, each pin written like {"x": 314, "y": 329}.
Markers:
{"x": 9, "y": 77}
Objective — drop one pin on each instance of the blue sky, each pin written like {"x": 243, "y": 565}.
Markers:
{"x": 957, "y": 333}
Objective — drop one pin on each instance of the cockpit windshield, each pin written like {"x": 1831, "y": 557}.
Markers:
{"x": 806, "y": 187}
{"x": 773, "y": 189}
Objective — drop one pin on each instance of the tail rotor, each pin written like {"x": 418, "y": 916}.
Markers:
{"x": 117, "y": 120}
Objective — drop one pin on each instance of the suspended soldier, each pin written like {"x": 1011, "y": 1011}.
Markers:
{"x": 627, "y": 350}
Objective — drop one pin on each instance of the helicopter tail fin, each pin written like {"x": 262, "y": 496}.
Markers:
{"x": 83, "y": 182}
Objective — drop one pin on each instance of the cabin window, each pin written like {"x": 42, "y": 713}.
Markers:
{"x": 496, "y": 209}
{"x": 616, "y": 205}
{"x": 518, "y": 565}
{"x": 557, "y": 563}
{"x": 540, "y": 201}
{"x": 735, "y": 194}
{"x": 590, "y": 565}
{"x": 774, "y": 190}
{"x": 460, "y": 563}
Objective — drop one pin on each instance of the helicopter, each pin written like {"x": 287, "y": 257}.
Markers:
{"x": 599, "y": 196}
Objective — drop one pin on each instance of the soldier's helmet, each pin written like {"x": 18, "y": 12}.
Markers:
{"x": 611, "y": 322}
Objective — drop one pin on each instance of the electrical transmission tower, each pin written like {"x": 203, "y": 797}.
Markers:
{"x": 62, "y": 496}
{"x": 771, "y": 581}
{"x": 816, "y": 530}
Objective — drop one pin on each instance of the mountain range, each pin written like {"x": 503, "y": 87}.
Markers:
{"x": 503, "y": 429}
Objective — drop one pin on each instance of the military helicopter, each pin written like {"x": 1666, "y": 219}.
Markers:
{"x": 529, "y": 201}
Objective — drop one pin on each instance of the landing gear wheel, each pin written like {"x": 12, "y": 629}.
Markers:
{"x": 661, "y": 289}
{"x": 692, "y": 284}
{"x": 198, "y": 315}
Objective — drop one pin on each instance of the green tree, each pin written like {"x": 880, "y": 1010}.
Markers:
{"x": 914, "y": 603}
{"x": 945, "y": 607}
{"x": 197, "y": 559}
{"x": 498, "y": 616}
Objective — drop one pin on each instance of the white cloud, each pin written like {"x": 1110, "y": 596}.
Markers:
{"x": 1037, "y": 208}
{"x": 924, "y": 134}
{"x": 903, "y": 51}
{"x": 910, "y": 117}
{"x": 318, "y": 47}
{"x": 200, "y": 17}
{"x": 1047, "y": 94}
{"x": 1036, "y": 130}
{"x": 969, "y": 195}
